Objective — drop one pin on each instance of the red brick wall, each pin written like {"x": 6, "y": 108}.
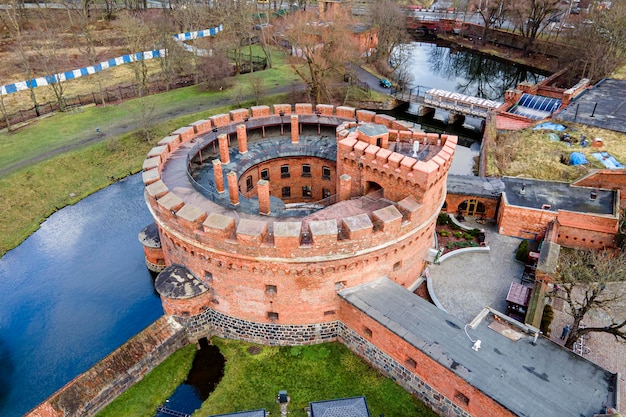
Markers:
{"x": 439, "y": 378}
{"x": 295, "y": 180}
{"x": 454, "y": 200}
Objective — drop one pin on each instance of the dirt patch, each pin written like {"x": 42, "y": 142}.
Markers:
{"x": 254, "y": 350}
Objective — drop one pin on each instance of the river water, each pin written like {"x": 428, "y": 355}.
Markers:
{"x": 78, "y": 288}
{"x": 71, "y": 293}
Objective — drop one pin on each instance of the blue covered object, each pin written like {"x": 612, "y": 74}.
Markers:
{"x": 550, "y": 126}
{"x": 577, "y": 158}
{"x": 608, "y": 160}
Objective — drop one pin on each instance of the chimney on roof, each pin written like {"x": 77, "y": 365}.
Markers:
{"x": 523, "y": 190}
{"x": 593, "y": 195}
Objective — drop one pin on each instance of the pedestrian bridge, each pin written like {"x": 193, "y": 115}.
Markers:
{"x": 430, "y": 99}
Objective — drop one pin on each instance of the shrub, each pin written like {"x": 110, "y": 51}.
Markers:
{"x": 474, "y": 232}
{"x": 457, "y": 235}
{"x": 443, "y": 219}
{"x": 522, "y": 251}
{"x": 444, "y": 233}
{"x": 454, "y": 226}
{"x": 468, "y": 236}
{"x": 546, "y": 320}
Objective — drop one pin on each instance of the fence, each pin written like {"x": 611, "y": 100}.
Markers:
{"x": 109, "y": 95}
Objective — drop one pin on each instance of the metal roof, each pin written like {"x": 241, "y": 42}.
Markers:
{"x": 345, "y": 407}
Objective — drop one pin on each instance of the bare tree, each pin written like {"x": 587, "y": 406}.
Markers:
{"x": 492, "y": 13}
{"x": 532, "y": 16}
{"x": 138, "y": 37}
{"x": 13, "y": 16}
{"x": 320, "y": 51}
{"x": 390, "y": 20}
{"x": 591, "y": 281}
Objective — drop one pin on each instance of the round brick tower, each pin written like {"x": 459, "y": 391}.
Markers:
{"x": 264, "y": 214}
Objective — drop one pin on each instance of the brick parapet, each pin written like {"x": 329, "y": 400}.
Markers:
{"x": 415, "y": 178}
{"x": 91, "y": 391}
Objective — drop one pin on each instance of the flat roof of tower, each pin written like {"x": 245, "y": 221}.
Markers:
{"x": 534, "y": 380}
{"x": 539, "y": 194}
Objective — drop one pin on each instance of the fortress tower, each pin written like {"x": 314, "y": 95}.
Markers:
{"x": 263, "y": 215}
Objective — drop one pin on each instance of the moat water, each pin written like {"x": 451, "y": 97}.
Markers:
{"x": 78, "y": 288}
{"x": 71, "y": 293}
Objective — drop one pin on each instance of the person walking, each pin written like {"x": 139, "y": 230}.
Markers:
{"x": 565, "y": 332}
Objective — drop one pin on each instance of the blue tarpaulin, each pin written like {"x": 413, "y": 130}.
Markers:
{"x": 577, "y": 158}
{"x": 608, "y": 160}
{"x": 550, "y": 126}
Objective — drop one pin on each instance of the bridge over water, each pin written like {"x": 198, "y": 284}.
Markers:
{"x": 429, "y": 99}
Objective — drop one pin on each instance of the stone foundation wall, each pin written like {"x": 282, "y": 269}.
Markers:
{"x": 212, "y": 323}
{"x": 93, "y": 390}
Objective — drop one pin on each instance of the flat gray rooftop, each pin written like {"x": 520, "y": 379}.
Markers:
{"x": 606, "y": 101}
{"x": 558, "y": 195}
{"x": 530, "y": 380}
{"x": 475, "y": 186}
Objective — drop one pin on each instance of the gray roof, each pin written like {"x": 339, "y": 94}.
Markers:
{"x": 345, "y": 407}
{"x": 606, "y": 101}
{"x": 530, "y": 380}
{"x": 177, "y": 282}
{"x": 373, "y": 129}
{"x": 252, "y": 413}
{"x": 474, "y": 186}
{"x": 559, "y": 195}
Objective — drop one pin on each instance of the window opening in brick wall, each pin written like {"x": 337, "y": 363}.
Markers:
{"x": 367, "y": 331}
{"x": 286, "y": 191}
{"x": 325, "y": 173}
{"x": 460, "y": 397}
{"x": 270, "y": 289}
{"x": 208, "y": 277}
{"x": 306, "y": 191}
{"x": 329, "y": 312}
{"x": 272, "y": 316}
{"x": 265, "y": 174}
{"x": 546, "y": 207}
{"x": 325, "y": 193}
{"x": 397, "y": 265}
{"x": 306, "y": 170}
{"x": 410, "y": 362}
{"x": 284, "y": 171}
{"x": 249, "y": 182}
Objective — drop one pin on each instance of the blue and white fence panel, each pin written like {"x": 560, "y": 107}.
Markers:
{"x": 113, "y": 62}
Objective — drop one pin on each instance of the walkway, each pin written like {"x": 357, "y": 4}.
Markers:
{"x": 485, "y": 278}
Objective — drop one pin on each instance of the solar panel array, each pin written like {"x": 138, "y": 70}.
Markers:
{"x": 535, "y": 107}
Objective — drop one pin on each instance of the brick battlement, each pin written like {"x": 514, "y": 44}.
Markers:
{"x": 289, "y": 266}
{"x": 366, "y": 229}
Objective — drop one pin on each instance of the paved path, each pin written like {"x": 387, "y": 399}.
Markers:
{"x": 466, "y": 283}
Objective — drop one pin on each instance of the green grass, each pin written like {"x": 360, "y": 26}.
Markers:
{"x": 142, "y": 399}
{"x": 308, "y": 373}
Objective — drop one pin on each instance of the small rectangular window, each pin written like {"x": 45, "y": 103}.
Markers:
{"x": 325, "y": 193}
{"x": 284, "y": 171}
{"x": 329, "y": 312}
{"x": 367, "y": 331}
{"x": 272, "y": 316}
{"x": 306, "y": 170}
{"x": 325, "y": 173}
{"x": 306, "y": 191}
{"x": 270, "y": 289}
{"x": 265, "y": 174}
{"x": 397, "y": 265}
{"x": 286, "y": 191}
{"x": 461, "y": 398}
{"x": 249, "y": 183}
{"x": 410, "y": 362}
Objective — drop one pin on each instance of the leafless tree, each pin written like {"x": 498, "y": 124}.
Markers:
{"x": 591, "y": 281}
{"x": 492, "y": 13}
{"x": 320, "y": 50}
{"x": 531, "y": 17}
{"x": 390, "y": 20}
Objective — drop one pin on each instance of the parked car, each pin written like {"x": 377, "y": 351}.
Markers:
{"x": 384, "y": 83}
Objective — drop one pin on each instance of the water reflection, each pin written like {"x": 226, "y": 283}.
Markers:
{"x": 450, "y": 68}
{"x": 71, "y": 293}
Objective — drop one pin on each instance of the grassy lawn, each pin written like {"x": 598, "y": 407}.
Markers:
{"x": 533, "y": 155}
{"x": 142, "y": 399}
{"x": 252, "y": 381}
